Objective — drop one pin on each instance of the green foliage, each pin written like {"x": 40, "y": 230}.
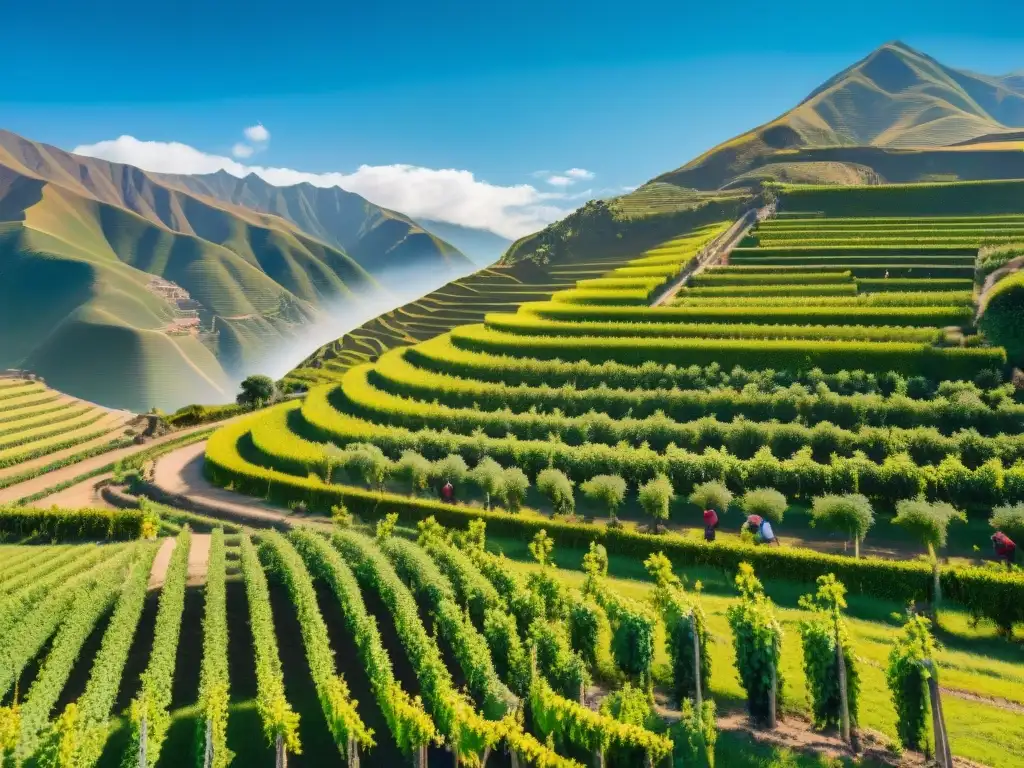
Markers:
{"x": 414, "y": 469}
{"x": 214, "y": 684}
{"x": 489, "y": 477}
{"x": 608, "y": 490}
{"x": 71, "y": 524}
{"x": 927, "y": 521}
{"x": 452, "y": 468}
{"x": 410, "y": 726}
{"x": 695, "y": 735}
{"x": 511, "y": 659}
{"x": 557, "y": 662}
{"x": 338, "y": 707}
{"x": 1001, "y": 319}
{"x": 711, "y": 495}
{"x": 153, "y": 701}
{"x": 369, "y": 462}
{"x": 1010, "y": 520}
{"x": 766, "y": 502}
{"x": 757, "y": 641}
{"x": 276, "y": 714}
{"x": 257, "y": 391}
{"x": 554, "y": 484}
{"x": 820, "y": 633}
{"x": 386, "y": 526}
{"x": 514, "y": 486}
{"x": 541, "y": 548}
{"x": 851, "y": 513}
{"x": 655, "y": 496}
{"x": 907, "y": 678}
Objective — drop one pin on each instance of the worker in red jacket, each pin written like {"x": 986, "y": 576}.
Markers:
{"x": 448, "y": 492}
{"x": 710, "y": 524}
{"x": 1004, "y": 547}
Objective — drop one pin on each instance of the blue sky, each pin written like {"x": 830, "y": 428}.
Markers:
{"x": 501, "y": 91}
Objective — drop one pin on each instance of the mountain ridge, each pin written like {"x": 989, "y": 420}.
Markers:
{"x": 173, "y": 294}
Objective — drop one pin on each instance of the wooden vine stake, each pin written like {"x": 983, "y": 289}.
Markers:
{"x": 773, "y": 720}
{"x": 208, "y": 753}
{"x": 844, "y": 701}
{"x": 353, "y": 752}
{"x": 281, "y": 754}
{"x": 421, "y": 756}
{"x": 943, "y": 754}
{"x": 142, "y": 744}
{"x": 698, "y": 697}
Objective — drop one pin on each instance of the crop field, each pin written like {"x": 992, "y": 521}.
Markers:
{"x": 401, "y": 642}
{"x": 36, "y": 422}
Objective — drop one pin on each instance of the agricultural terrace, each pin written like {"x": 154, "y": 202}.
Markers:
{"x": 499, "y": 288}
{"x": 39, "y": 425}
{"x": 218, "y": 647}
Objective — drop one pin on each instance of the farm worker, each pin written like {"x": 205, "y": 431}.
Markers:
{"x": 710, "y": 524}
{"x": 448, "y": 492}
{"x": 763, "y": 529}
{"x": 1004, "y": 547}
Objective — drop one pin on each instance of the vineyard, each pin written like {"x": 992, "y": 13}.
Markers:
{"x": 410, "y": 646}
{"x": 488, "y": 524}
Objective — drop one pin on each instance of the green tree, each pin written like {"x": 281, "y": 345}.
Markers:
{"x": 927, "y": 521}
{"x": 369, "y": 462}
{"x": 712, "y": 495}
{"x": 909, "y": 668}
{"x": 558, "y": 489}
{"x": 655, "y": 497}
{"x": 257, "y": 391}
{"x": 1010, "y": 520}
{"x": 489, "y": 477}
{"x": 607, "y": 490}
{"x": 413, "y": 469}
{"x": 514, "y": 486}
{"x": 452, "y": 468}
{"x": 542, "y": 548}
{"x": 757, "y": 641}
{"x": 851, "y": 514}
{"x": 766, "y": 502}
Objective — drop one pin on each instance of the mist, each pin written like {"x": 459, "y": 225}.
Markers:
{"x": 345, "y": 314}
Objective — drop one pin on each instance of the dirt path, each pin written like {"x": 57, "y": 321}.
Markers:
{"x": 84, "y": 494}
{"x": 161, "y": 562}
{"x": 50, "y": 479}
{"x": 198, "y": 559}
{"x": 180, "y": 473}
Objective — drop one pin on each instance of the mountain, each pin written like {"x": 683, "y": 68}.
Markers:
{"x": 132, "y": 291}
{"x": 895, "y": 116}
{"x": 482, "y": 246}
{"x": 379, "y": 239}
{"x": 894, "y": 99}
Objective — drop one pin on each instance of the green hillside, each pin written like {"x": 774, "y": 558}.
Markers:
{"x": 134, "y": 293}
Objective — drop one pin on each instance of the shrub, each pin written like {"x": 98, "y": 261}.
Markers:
{"x": 558, "y": 489}
{"x": 928, "y": 521}
{"x": 821, "y": 633}
{"x": 711, "y": 495}
{"x": 515, "y": 484}
{"x": 655, "y": 496}
{"x": 369, "y": 462}
{"x": 1010, "y": 520}
{"x": 766, "y": 502}
{"x": 1002, "y": 319}
{"x": 489, "y": 477}
{"x": 609, "y": 490}
{"x": 451, "y": 468}
{"x": 757, "y": 640}
{"x": 851, "y": 513}
{"x": 71, "y": 524}
{"x": 414, "y": 469}
{"x": 907, "y": 680}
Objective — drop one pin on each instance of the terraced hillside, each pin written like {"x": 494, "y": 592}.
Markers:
{"x": 38, "y": 422}
{"x": 829, "y": 355}
{"x": 462, "y": 302}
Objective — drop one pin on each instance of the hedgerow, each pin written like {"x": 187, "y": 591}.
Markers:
{"x": 1002, "y": 595}
{"x": 878, "y": 357}
{"x": 71, "y": 524}
{"x": 530, "y": 325}
{"x": 913, "y": 298}
{"x": 716, "y": 277}
{"x": 214, "y": 684}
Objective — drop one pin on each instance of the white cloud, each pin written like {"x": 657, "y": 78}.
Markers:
{"x": 579, "y": 173}
{"x": 560, "y": 181}
{"x": 242, "y": 150}
{"x": 450, "y": 195}
{"x": 257, "y": 133}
